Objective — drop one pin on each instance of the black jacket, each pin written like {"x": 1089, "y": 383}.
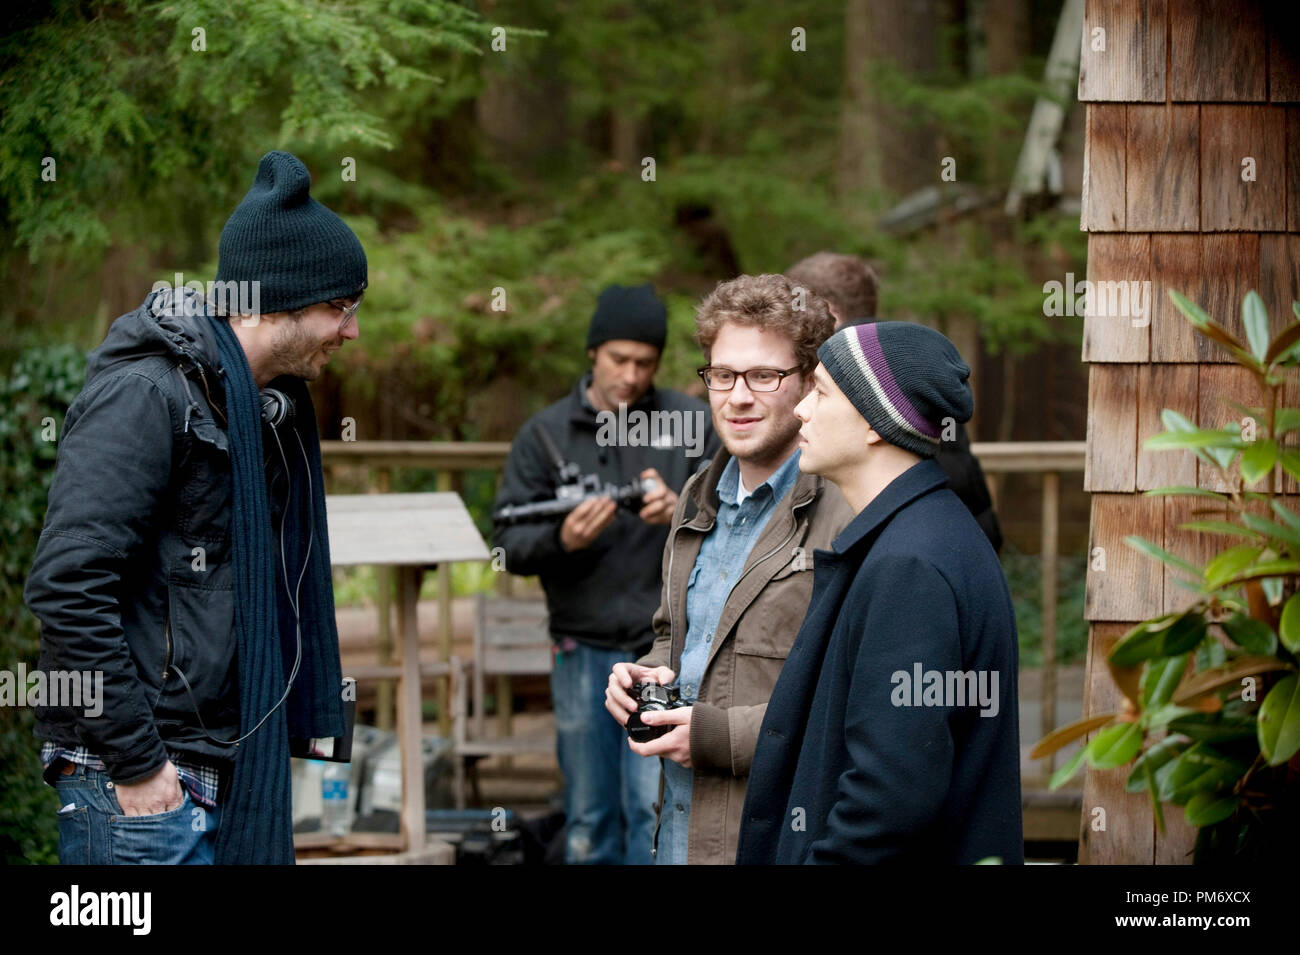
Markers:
{"x": 132, "y": 573}
{"x": 966, "y": 478}
{"x": 606, "y": 594}
{"x": 855, "y": 764}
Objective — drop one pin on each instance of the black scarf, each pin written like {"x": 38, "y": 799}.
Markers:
{"x": 257, "y": 815}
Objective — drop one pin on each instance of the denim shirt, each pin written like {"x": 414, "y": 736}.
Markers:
{"x": 719, "y": 565}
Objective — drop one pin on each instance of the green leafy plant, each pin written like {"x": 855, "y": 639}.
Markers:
{"x": 1210, "y": 719}
{"x": 34, "y": 395}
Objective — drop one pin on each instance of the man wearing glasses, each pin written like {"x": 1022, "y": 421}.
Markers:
{"x": 737, "y": 570}
{"x": 169, "y": 545}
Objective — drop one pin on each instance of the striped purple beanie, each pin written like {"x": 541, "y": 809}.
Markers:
{"x": 904, "y": 378}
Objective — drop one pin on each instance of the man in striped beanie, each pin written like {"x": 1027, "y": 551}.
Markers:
{"x": 892, "y": 734}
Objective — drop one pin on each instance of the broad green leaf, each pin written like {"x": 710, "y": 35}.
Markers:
{"x": 1288, "y": 516}
{"x": 1289, "y": 625}
{"x": 1210, "y": 328}
{"x": 1166, "y": 636}
{"x": 1114, "y": 746}
{"x": 1265, "y": 568}
{"x": 1254, "y": 636}
{"x": 1228, "y": 674}
{"x": 1193, "y": 312}
{"x": 1279, "y": 721}
{"x": 1185, "y": 489}
{"x": 1275, "y": 529}
{"x": 1160, "y": 677}
{"x": 1159, "y": 553}
{"x": 1067, "y": 772}
{"x": 1221, "y": 456}
{"x": 1201, "y": 769}
{"x": 1160, "y": 716}
{"x": 1254, "y": 318}
{"x": 1066, "y": 734}
{"x": 1230, "y": 563}
{"x": 1214, "y": 727}
{"x": 1187, "y": 631}
{"x": 1155, "y": 757}
{"x": 1287, "y": 419}
{"x": 1219, "y": 527}
{"x": 1216, "y": 438}
{"x": 1285, "y": 342}
{"x": 1205, "y": 808}
{"x": 1174, "y": 421}
{"x": 1290, "y": 461}
{"x": 1258, "y": 460}
{"x": 1141, "y": 643}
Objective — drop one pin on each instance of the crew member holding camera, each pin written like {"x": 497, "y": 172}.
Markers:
{"x": 737, "y": 572}
{"x": 161, "y": 564}
{"x": 599, "y": 566}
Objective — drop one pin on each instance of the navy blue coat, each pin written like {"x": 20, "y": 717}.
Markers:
{"x": 856, "y": 763}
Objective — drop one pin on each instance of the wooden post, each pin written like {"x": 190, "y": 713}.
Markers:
{"x": 409, "y": 717}
{"x": 444, "y": 630}
{"x": 505, "y": 710}
{"x": 384, "y": 716}
{"x": 1047, "y": 564}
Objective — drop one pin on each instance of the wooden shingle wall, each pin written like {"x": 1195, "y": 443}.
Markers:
{"x": 1181, "y": 96}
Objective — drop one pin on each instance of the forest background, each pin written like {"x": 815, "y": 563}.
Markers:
{"x": 546, "y": 149}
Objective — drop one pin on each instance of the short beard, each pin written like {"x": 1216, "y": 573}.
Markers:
{"x": 287, "y": 351}
{"x": 774, "y": 448}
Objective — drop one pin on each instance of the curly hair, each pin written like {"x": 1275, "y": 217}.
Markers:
{"x": 767, "y": 301}
{"x": 846, "y": 281}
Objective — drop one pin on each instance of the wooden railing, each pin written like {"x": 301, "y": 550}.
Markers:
{"x": 1050, "y": 459}
{"x": 450, "y": 458}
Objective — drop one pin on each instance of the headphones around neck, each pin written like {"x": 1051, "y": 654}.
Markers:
{"x": 277, "y": 411}
{"x": 277, "y": 408}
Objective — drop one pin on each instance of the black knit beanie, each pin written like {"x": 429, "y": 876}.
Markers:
{"x": 634, "y": 313}
{"x": 905, "y": 379}
{"x": 299, "y": 252}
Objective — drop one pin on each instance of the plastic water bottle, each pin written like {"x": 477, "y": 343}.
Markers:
{"x": 335, "y": 818}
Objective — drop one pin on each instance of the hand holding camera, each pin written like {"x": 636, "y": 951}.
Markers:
{"x": 651, "y": 698}
{"x": 621, "y": 680}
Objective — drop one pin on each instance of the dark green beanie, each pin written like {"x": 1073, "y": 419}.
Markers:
{"x": 299, "y": 252}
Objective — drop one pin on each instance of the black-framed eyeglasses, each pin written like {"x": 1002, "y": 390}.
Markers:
{"x": 349, "y": 311}
{"x": 717, "y": 378}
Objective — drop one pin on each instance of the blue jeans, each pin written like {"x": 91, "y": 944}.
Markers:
{"x": 94, "y": 831}
{"x": 609, "y": 791}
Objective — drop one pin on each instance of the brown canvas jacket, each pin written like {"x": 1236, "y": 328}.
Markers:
{"x": 758, "y": 625}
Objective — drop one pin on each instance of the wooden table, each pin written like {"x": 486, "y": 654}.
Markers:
{"x": 407, "y": 532}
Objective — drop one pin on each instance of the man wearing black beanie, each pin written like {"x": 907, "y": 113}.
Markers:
{"x": 892, "y": 733}
{"x": 181, "y": 566}
{"x": 600, "y": 565}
